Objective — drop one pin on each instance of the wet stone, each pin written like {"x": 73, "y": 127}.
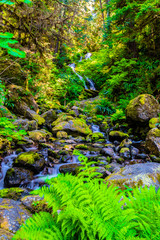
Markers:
{"x": 12, "y": 215}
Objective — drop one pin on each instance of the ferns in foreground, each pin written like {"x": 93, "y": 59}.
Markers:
{"x": 92, "y": 210}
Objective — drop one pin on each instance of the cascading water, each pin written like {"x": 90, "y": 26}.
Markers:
{"x": 91, "y": 83}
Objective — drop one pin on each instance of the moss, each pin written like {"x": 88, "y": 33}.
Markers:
{"x": 27, "y": 158}
{"x": 13, "y": 193}
{"x": 96, "y": 136}
{"x": 153, "y": 122}
{"x": 81, "y": 146}
{"x": 38, "y": 119}
{"x": 155, "y": 132}
{"x": 118, "y": 134}
{"x": 123, "y": 150}
{"x": 62, "y": 134}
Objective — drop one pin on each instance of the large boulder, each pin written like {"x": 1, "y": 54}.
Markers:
{"x": 143, "y": 108}
{"x": 73, "y": 126}
{"x": 39, "y": 135}
{"x": 153, "y": 141}
{"x": 137, "y": 175}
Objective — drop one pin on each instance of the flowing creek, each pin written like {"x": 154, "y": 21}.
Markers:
{"x": 89, "y": 81}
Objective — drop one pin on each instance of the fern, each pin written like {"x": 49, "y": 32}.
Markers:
{"x": 92, "y": 210}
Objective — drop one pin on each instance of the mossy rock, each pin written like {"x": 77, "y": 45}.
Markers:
{"x": 73, "y": 127}
{"x": 81, "y": 146}
{"x": 12, "y": 193}
{"x": 140, "y": 174}
{"x": 153, "y": 141}
{"x": 61, "y": 118}
{"x": 49, "y": 116}
{"x": 39, "y": 135}
{"x": 118, "y": 135}
{"x": 96, "y": 136}
{"x": 153, "y": 122}
{"x": 62, "y": 134}
{"x": 35, "y": 203}
{"x": 30, "y": 160}
{"x": 143, "y": 108}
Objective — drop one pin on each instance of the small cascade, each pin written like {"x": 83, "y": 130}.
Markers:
{"x": 88, "y": 56}
{"x": 92, "y": 87}
{"x": 91, "y": 83}
{"x": 95, "y": 128}
{"x": 6, "y": 164}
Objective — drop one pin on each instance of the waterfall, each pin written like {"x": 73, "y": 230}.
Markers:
{"x": 73, "y": 66}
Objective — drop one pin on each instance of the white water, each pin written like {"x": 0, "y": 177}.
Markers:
{"x": 6, "y": 164}
{"x": 73, "y": 66}
{"x": 95, "y": 128}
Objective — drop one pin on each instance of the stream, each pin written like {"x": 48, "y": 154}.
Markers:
{"x": 88, "y": 80}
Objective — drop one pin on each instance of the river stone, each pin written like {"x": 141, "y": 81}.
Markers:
{"x": 143, "y": 108}
{"x": 69, "y": 168}
{"x": 49, "y": 116}
{"x": 12, "y": 214}
{"x": 125, "y": 153}
{"x": 138, "y": 174}
{"x": 4, "y": 143}
{"x": 25, "y": 124}
{"x": 153, "y": 141}
{"x": 15, "y": 176}
{"x": 30, "y": 160}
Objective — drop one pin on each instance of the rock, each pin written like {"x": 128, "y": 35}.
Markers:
{"x": 30, "y": 160}
{"x": 39, "y": 135}
{"x": 13, "y": 193}
{"x": 25, "y": 124}
{"x": 125, "y": 153}
{"x": 153, "y": 141}
{"x": 35, "y": 203}
{"x": 117, "y": 135}
{"x": 74, "y": 127}
{"x": 153, "y": 122}
{"x": 134, "y": 151}
{"x": 81, "y": 146}
{"x": 126, "y": 143}
{"x": 96, "y": 136}
{"x": 54, "y": 154}
{"x": 49, "y": 116}
{"x": 12, "y": 215}
{"x": 69, "y": 168}
{"x": 62, "y": 134}
{"x": 109, "y": 152}
{"x": 15, "y": 176}
{"x": 5, "y": 235}
{"x": 4, "y": 112}
{"x": 137, "y": 175}
{"x": 68, "y": 148}
{"x": 143, "y": 108}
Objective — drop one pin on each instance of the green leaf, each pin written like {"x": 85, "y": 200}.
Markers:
{"x": 16, "y": 53}
{"x": 6, "y": 2}
{"x": 6, "y": 34}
